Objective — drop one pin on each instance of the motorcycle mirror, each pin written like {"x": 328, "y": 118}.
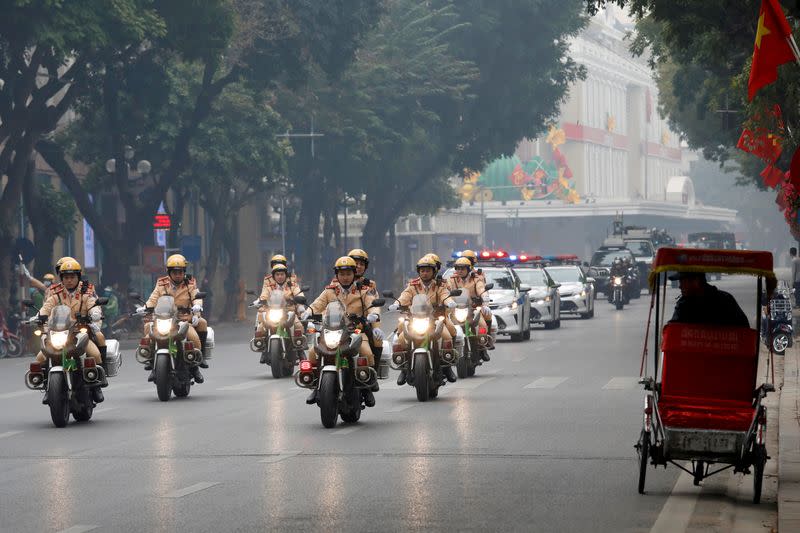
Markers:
{"x": 134, "y": 295}
{"x": 305, "y": 288}
{"x": 300, "y": 300}
{"x": 251, "y": 292}
{"x": 489, "y": 286}
{"x": 378, "y": 302}
{"x": 101, "y": 301}
{"x": 455, "y": 292}
{"x": 200, "y": 295}
{"x": 524, "y": 288}
{"x": 388, "y": 294}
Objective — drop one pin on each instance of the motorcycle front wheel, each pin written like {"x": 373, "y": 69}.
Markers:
{"x": 422, "y": 377}
{"x": 163, "y": 377}
{"x": 328, "y": 400}
{"x": 57, "y": 399}
{"x": 276, "y": 361}
{"x": 780, "y": 343}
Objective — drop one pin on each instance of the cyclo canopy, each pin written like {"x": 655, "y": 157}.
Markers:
{"x": 717, "y": 261}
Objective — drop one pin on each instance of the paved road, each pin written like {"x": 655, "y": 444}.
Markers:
{"x": 540, "y": 440}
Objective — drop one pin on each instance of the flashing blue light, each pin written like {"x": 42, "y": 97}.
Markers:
{"x": 550, "y": 257}
{"x": 512, "y": 257}
{"x": 456, "y": 255}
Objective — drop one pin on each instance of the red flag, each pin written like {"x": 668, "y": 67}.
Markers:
{"x": 771, "y": 48}
{"x": 766, "y": 146}
{"x": 772, "y": 176}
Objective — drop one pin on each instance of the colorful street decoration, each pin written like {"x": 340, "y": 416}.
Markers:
{"x": 509, "y": 178}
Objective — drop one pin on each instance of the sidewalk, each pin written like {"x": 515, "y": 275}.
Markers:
{"x": 789, "y": 443}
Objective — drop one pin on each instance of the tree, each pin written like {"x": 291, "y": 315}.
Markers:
{"x": 158, "y": 98}
{"x": 235, "y": 159}
{"x": 48, "y": 56}
{"x": 54, "y": 215}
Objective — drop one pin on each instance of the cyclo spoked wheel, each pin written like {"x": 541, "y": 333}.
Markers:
{"x": 644, "y": 453}
{"x": 14, "y": 347}
{"x": 163, "y": 377}
{"x": 57, "y": 399}
{"x": 328, "y": 400}
{"x": 759, "y": 460}
{"x": 422, "y": 377}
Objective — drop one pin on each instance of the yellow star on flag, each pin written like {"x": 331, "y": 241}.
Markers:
{"x": 762, "y": 30}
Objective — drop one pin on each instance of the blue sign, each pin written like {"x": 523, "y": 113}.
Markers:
{"x": 191, "y": 246}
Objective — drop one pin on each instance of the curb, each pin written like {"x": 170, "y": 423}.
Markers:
{"x": 789, "y": 444}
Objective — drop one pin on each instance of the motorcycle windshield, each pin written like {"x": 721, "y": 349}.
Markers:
{"x": 334, "y": 316}
{"x": 462, "y": 300}
{"x": 165, "y": 307}
{"x": 60, "y": 318}
{"x": 276, "y": 300}
{"x": 421, "y": 306}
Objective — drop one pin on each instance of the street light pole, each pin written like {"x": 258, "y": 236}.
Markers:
{"x": 345, "y": 222}
{"x": 283, "y": 224}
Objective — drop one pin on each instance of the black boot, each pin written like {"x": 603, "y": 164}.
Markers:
{"x": 195, "y": 372}
{"x": 152, "y": 377}
{"x": 97, "y": 395}
{"x": 45, "y": 401}
{"x": 149, "y": 365}
{"x": 401, "y": 379}
{"x": 264, "y": 357}
{"x": 449, "y": 374}
{"x": 369, "y": 398}
{"x": 485, "y": 355}
{"x": 312, "y": 398}
{"x": 203, "y": 335}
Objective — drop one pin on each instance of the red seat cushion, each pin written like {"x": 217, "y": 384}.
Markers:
{"x": 706, "y": 414}
{"x": 708, "y": 375}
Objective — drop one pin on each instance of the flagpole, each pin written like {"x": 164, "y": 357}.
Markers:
{"x": 795, "y": 49}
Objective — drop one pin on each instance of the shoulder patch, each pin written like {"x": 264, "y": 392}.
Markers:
{"x": 416, "y": 281}
{"x": 57, "y": 288}
{"x": 165, "y": 281}
{"x": 331, "y": 286}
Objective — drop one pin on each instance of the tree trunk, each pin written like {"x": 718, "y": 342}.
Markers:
{"x": 309, "y": 257}
{"x": 231, "y": 239}
{"x": 375, "y": 241}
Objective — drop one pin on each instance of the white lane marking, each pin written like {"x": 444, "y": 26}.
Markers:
{"x": 620, "y": 383}
{"x": 280, "y": 457}
{"x": 346, "y": 431}
{"x": 242, "y": 386}
{"x": 191, "y": 489}
{"x": 546, "y": 383}
{"x": 80, "y": 528}
{"x": 8, "y": 395}
{"x": 9, "y": 434}
{"x": 467, "y": 384}
{"x": 401, "y": 408}
{"x": 679, "y": 507}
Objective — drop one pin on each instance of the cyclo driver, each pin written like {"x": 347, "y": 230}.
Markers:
{"x": 79, "y": 296}
{"x": 467, "y": 280}
{"x": 183, "y": 289}
{"x": 356, "y": 301}
{"x": 440, "y": 299}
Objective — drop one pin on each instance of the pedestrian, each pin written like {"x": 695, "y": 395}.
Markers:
{"x": 795, "y": 275}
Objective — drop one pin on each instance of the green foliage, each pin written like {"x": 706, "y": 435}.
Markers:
{"x": 60, "y": 214}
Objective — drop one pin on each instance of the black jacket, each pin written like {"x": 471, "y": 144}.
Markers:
{"x": 714, "y": 307}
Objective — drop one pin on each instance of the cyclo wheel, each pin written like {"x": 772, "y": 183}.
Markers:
{"x": 644, "y": 454}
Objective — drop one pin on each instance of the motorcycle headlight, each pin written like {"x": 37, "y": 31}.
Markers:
{"x": 617, "y": 281}
{"x": 59, "y": 339}
{"x": 275, "y": 315}
{"x": 514, "y": 306}
{"x": 332, "y": 338}
{"x": 420, "y": 325}
{"x": 583, "y": 294}
{"x": 163, "y": 326}
{"x": 461, "y": 314}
